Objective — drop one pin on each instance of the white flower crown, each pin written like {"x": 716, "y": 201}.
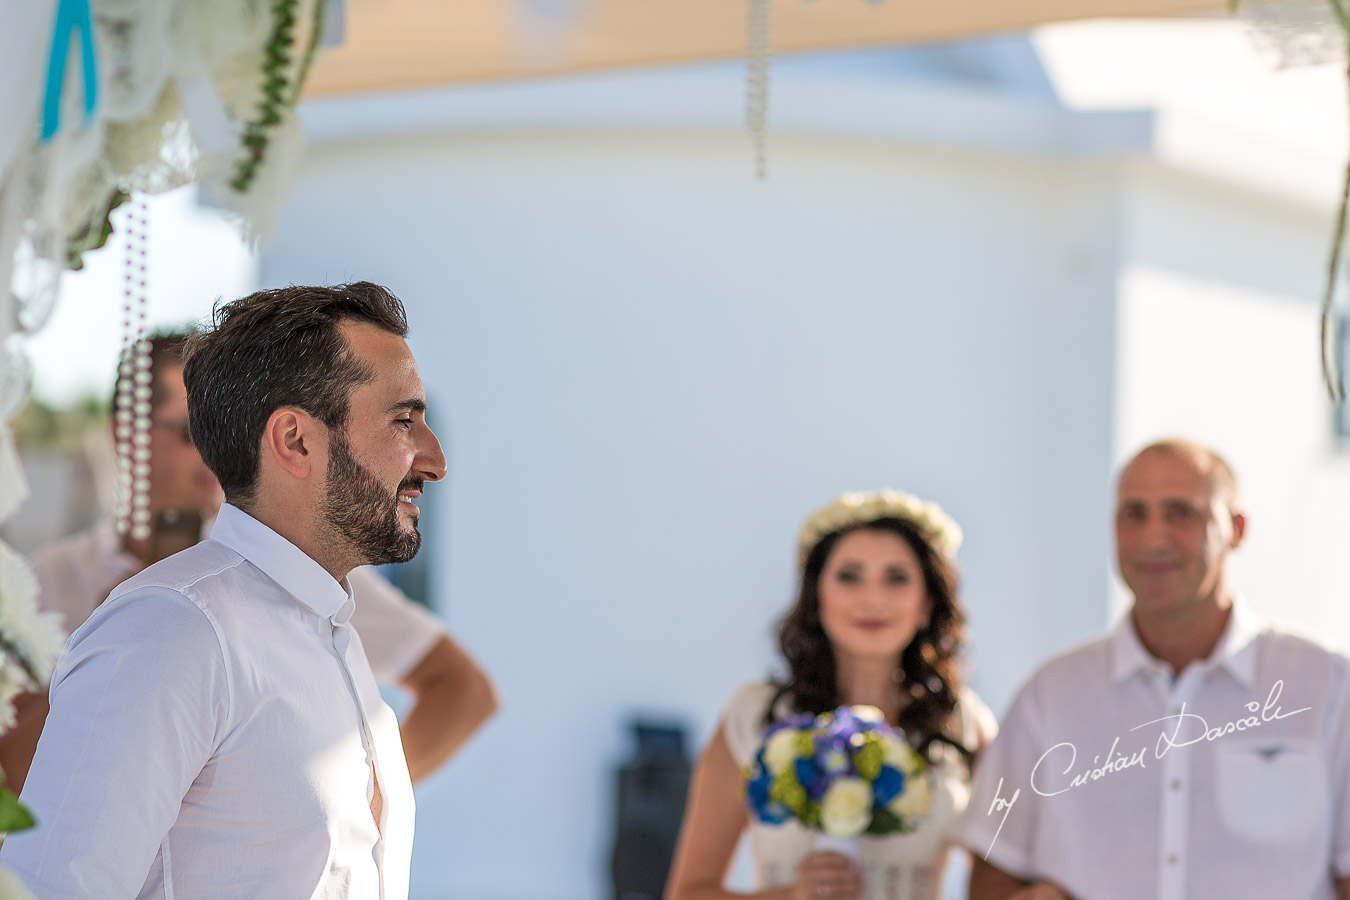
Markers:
{"x": 861, "y": 507}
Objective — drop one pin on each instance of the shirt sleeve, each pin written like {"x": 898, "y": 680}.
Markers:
{"x": 397, "y": 633}
{"x": 1002, "y": 834}
{"x": 743, "y": 721}
{"x": 977, "y": 719}
{"x": 138, "y": 705}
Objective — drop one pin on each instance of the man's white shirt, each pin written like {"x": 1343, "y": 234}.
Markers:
{"x": 214, "y": 731}
{"x": 1232, "y": 781}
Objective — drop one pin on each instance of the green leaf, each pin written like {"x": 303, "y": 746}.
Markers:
{"x": 884, "y": 822}
{"x": 869, "y": 758}
{"x": 786, "y": 790}
{"x": 13, "y": 815}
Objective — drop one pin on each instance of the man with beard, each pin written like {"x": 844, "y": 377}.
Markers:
{"x": 215, "y": 729}
{"x": 451, "y": 696}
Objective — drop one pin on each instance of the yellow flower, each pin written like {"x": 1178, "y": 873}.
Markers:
{"x": 780, "y": 750}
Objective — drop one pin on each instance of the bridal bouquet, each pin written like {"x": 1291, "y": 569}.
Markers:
{"x": 843, "y": 773}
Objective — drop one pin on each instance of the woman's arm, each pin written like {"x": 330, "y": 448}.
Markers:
{"x": 713, "y": 823}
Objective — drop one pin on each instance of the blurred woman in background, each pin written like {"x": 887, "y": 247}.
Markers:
{"x": 877, "y": 622}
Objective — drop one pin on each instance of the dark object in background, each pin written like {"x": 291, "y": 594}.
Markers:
{"x": 174, "y": 530}
{"x": 653, "y": 786}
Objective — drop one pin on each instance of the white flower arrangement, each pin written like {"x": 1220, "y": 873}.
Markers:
{"x": 30, "y": 644}
{"x": 854, "y": 509}
{"x": 841, "y": 774}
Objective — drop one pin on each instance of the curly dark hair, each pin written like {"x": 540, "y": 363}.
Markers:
{"x": 929, "y": 666}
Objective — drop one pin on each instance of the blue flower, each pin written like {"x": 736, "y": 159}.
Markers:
{"x": 757, "y": 793}
{"x": 810, "y": 777}
{"x": 844, "y": 726}
{"x": 890, "y": 784}
{"x": 834, "y": 759}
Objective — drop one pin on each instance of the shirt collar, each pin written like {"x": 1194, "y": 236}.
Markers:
{"x": 299, "y": 574}
{"x": 1235, "y": 650}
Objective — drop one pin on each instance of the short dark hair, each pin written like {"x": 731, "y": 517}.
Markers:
{"x": 166, "y": 349}
{"x": 271, "y": 349}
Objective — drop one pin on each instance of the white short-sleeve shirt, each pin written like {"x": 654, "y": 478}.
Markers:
{"x": 1112, "y": 780}
{"x": 75, "y": 574}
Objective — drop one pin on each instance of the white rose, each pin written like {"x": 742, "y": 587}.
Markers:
{"x": 867, "y": 714}
{"x": 11, "y": 888}
{"x": 38, "y": 635}
{"x": 846, "y": 810}
{"x": 780, "y": 751}
{"x": 13, "y": 681}
{"x": 899, "y": 755}
{"x": 915, "y": 800}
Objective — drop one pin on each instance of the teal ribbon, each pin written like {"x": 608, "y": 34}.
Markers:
{"x": 70, "y": 15}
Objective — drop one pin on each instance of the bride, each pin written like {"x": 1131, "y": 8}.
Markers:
{"x": 876, "y": 622}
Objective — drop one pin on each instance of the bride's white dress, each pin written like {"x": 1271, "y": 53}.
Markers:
{"x": 896, "y": 867}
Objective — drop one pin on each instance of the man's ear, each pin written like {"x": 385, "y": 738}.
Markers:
{"x": 291, "y": 437}
{"x": 1239, "y": 529}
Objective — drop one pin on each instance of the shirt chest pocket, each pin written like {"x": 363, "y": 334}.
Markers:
{"x": 1272, "y": 790}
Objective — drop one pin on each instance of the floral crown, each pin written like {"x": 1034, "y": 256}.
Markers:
{"x": 859, "y": 508}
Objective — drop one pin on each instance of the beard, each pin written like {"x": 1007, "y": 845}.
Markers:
{"x": 361, "y": 511}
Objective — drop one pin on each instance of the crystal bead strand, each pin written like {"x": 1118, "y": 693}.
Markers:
{"x": 123, "y": 414}
{"x": 134, "y": 387}
{"x": 757, "y": 81}
{"x": 1310, "y": 32}
{"x": 140, "y": 438}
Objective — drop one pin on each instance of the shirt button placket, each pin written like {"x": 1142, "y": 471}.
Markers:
{"x": 341, "y": 643}
{"x": 1175, "y": 800}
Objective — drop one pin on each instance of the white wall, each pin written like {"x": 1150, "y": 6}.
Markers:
{"x": 1219, "y": 342}
{"x": 648, "y": 368}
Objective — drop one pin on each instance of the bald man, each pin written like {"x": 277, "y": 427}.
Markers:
{"x": 1193, "y": 751}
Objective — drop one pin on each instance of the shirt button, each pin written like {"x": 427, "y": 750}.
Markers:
{"x": 1176, "y": 784}
{"x": 1171, "y": 859}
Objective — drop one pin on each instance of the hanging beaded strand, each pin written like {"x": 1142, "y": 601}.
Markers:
{"x": 133, "y": 400}
{"x": 123, "y": 414}
{"x": 1312, "y": 32}
{"x": 757, "y": 81}
{"x": 140, "y": 438}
